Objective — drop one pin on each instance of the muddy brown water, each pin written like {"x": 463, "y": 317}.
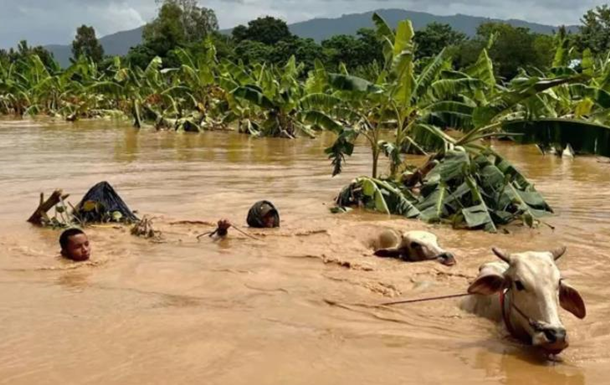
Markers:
{"x": 284, "y": 309}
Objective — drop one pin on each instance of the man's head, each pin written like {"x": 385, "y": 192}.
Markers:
{"x": 263, "y": 214}
{"x": 75, "y": 245}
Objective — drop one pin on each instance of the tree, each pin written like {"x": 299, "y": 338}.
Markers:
{"x": 23, "y": 51}
{"x": 253, "y": 52}
{"x": 305, "y": 51}
{"x": 344, "y": 49}
{"x": 267, "y": 30}
{"x": 180, "y": 24}
{"x": 544, "y": 47}
{"x": 510, "y": 48}
{"x": 86, "y": 44}
{"x": 166, "y": 27}
{"x": 371, "y": 48}
{"x": 224, "y": 45}
{"x": 595, "y": 30}
{"x": 436, "y": 36}
{"x": 354, "y": 52}
{"x": 194, "y": 22}
{"x": 240, "y": 33}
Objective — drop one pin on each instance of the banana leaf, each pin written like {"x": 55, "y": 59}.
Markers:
{"x": 253, "y": 95}
{"x": 431, "y": 72}
{"x": 583, "y": 137}
{"x": 320, "y": 120}
{"x": 352, "y": 83}
{"x": 521, "y": 89}
{"x": 404, "y": 37}
{"x": 478, "y": 216}
{"x": 473, "y": 191}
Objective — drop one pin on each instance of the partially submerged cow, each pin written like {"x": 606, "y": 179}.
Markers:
{"x": 525, "y": 291}
{"x": 412, "y": 246}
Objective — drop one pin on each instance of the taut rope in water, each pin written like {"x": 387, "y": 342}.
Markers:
{"x": 212, "y": 233}
{"x": 424, "y": 299}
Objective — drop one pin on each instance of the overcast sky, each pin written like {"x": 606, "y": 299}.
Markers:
{"x": 54, "y": 21}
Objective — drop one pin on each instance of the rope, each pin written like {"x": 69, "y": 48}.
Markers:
{"x": 211, "y": 233}
{"x": 424, "y": 299}
{"x": 244, "y": 233}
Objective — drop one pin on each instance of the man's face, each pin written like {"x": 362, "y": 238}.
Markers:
{"x": 269, "y": 220}
{"x": 78, "y": 248}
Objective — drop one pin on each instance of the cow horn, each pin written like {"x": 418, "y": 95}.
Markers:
{"x": 558, "y": 252}
{"x": 501, "y": 254}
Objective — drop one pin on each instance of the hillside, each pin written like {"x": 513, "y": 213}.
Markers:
{"x": 116, "y": 44}
{"x": 320, "y": 29}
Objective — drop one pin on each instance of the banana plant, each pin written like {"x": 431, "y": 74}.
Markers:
{"x": 284, "y": 108}
{"x": 417, "y": 108}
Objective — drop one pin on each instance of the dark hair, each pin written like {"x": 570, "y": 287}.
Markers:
{"x": 64, "y": 238}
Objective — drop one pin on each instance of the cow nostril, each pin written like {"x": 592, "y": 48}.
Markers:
{"x": 550, "y": 335}
{"x": 554, "y": 335}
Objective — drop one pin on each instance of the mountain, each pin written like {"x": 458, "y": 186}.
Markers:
{"x": 116, "y": 44}
{"x": 323, "y": 28}
{"x": 320, "y": 29}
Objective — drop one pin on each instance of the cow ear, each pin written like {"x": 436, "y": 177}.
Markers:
{"x": 570, "y": 299}
{"x": 488, "y": 284}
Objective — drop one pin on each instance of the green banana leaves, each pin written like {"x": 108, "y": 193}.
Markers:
{"x": 472, "y": 191}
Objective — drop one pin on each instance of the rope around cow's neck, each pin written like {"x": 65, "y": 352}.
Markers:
{"x": 511, "y": 306}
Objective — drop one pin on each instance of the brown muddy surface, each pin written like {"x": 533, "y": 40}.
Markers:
{"x": 292, "y": 307}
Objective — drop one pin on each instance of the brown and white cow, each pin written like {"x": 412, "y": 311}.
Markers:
{"x": 525, "y": 290}
{"x": 412, "y": 246}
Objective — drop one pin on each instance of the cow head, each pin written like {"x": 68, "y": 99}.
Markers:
{"x": 535, "y": 292}
{"x": 418, "y": 246}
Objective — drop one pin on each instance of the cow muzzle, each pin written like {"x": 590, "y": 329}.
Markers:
{"x": 446, "y": 258}
{"x": 551, "y": 339}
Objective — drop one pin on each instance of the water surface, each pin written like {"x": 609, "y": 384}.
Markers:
{"x": 281, "y": 310}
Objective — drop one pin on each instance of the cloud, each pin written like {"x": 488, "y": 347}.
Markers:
{"x": 55, "y": 21}
{"x": 49, "y": 22}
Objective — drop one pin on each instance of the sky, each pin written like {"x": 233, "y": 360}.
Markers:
{"x": 44, "y": 22}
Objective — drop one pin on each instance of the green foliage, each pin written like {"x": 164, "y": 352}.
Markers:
{"x": 353, "y": 51}
{"x": 595, "y": 30}
{"x": 86, "y": 44}
{"x": 400, "y": 101}
{"x": 267, "y": 30}
{"x": 513, "y": 48}
{"x": 181, "y": 21}
{"x": 476, "y": 191}
{"x": 582, "y": 137}
{"x": 436, "y": 37}
{"x": 180, "y": 24}
{"x": 24, "y": 51}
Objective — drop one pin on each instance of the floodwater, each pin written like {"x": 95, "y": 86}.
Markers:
{"x": 286, "y": 308}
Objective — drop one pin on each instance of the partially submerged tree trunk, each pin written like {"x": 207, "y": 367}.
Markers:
{"x": 40, "y": 214}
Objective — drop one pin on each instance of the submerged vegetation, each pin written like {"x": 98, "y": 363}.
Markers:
{"x": 402, "y": 103}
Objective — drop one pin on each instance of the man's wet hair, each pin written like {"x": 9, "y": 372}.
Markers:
{"x": 64, "y": 238}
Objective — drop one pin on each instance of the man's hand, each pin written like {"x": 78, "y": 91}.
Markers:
{"x": 224, "y": 224}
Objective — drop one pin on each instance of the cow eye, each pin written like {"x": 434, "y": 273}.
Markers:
{"x": 415, "y": 245}
{"x": 519, "y": 286}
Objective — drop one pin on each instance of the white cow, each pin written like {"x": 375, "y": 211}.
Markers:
{"x": 525, "y": 291}
{"x": 412, "y": 246}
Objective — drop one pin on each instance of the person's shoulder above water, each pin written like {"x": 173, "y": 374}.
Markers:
{"x": 75, "y": 245}
{"x": 263, "y": 214}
